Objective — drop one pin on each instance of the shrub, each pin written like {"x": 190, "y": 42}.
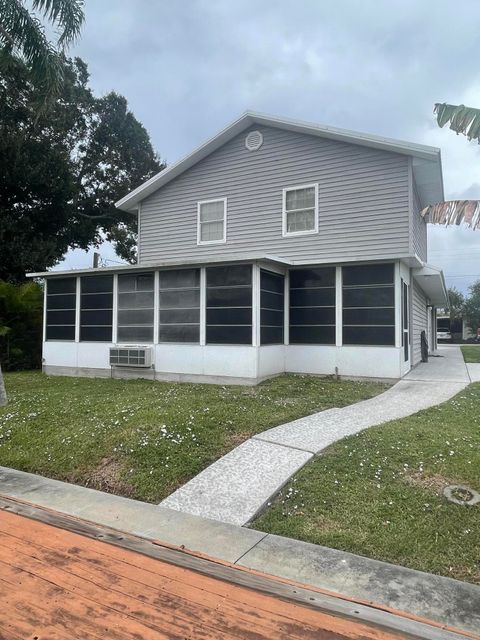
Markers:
{"x": 21, "y": 311}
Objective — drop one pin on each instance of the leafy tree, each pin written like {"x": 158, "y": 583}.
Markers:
{"x": 25, "y": 48}
{"x": 472, "y": 307}
{"x": 457, "y": 302}
{"x": 23, "y": 39}
{"x": 62, "y": 170}
{"x": 20, "y": 325}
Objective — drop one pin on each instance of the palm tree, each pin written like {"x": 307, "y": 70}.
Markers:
{"x": 23, "y": 39}
{"x": 465, "y": 120}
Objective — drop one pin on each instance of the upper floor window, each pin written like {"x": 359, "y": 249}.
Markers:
{"x": 300, "y": 210}
{"x": 212, "y": 221}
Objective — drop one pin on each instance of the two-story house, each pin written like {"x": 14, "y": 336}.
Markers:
{"x": 277, "y": 246}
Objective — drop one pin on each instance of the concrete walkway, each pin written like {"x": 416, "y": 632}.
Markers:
{"x": 357, "y": 579}
{"x": 474, "y": 371}
{"x": 235, "y": 488}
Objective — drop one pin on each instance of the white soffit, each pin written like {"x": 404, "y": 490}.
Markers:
{"x": 431, "y": 281}
{"x": 427, "y": 167}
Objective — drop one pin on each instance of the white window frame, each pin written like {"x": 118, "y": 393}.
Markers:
{"x": 199, "y": 205}
{"x": 287, "y": 234}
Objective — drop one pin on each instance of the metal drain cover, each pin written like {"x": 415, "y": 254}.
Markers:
{"x": 460, "y": 494}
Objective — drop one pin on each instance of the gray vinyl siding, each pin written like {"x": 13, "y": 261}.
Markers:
{"x": 419, "y": 321}
{"x": 419, "y": 228}
{"x": 363, "y": 201}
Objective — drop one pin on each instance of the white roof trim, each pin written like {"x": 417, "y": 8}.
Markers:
{"x": 412, "y": 261}
{"x": 164, "y": 265}
{"x": 428, "y": 158}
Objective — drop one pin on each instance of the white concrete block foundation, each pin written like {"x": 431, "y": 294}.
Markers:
{"x": 228, "y": 364}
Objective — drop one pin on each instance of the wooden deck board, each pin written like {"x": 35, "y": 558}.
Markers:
{"x": 56, "y": 584}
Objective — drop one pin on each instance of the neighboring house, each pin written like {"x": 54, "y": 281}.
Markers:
{"x": 277, "y": 246}
{"x": 455, "y": 329}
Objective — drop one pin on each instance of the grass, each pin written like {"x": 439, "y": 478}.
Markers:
{"x": 380, "y": 493}
{"x": 144, "y": 439}
{"x": 471, "y": 352}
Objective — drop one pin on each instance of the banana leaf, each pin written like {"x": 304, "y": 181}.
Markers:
{"x": 462, "y": 119}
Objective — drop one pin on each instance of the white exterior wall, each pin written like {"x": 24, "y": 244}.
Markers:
{"x": 347, "y": 361}
{"x": 180, "y": 362}
{"x": 224, "y": 363}
{"x": 271, "y": 360}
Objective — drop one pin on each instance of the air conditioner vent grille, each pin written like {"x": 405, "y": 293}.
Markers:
{"x": 130, "y": 357}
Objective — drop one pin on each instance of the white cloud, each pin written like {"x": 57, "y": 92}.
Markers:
{"x": 188, "y": 68}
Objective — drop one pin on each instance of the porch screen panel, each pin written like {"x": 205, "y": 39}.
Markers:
{"x": 61, "y": 302}
{"x": 312, "y": 306}
{"x": 369, "y": 305}
{"x": 229, "y": 305}
{"x": 135, "y": 307}
{"x": 179, "y": 319}
{"x": 96, "y": 308}
{"x": 272, "y": 300}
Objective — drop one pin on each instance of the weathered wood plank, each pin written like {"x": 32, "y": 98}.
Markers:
{"x": 146, "y": 579}
{"x": 75, "y": 569}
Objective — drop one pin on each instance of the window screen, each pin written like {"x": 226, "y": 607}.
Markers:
{"x": 96, "y": 308}
{"x": 211, "y": 221}
{"x": 312, "y": 306}
{"x": 229, "y": 305}
{"x": 300, "y": 209}
{"x": 272, "y": 299}
{"x": 179, "y": 306}
{"x": 369, "y": 304}
{"x": 135, "y": 307}
{"x": 61, "y": 302}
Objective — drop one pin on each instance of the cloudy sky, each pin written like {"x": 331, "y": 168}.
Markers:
{"x": 189, "y": 67}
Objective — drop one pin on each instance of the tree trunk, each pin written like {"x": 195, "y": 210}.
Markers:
{"x": 3, "y": 393}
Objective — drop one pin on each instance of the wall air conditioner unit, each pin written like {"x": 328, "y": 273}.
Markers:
{"x": 131, "y": 357}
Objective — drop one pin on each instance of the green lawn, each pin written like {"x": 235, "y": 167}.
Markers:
{"x": 143, "y": 439}
{"x": 380, "y": 493}
{"x": 471, "y": 352}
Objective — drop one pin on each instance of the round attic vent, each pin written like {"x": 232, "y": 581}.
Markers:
{"x": 254, "y": 140}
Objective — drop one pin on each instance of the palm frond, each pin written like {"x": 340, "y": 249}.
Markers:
{"x": 454, "y": 212}
{"x": 23, "y": 36}
{"x": 462, "y": 119}
{"x": 68, "y": 14}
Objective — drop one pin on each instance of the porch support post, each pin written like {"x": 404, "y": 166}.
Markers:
{"x": 44, "y": 332}
{"x": 286, "y": 309}
{"x": 398, "y": 305}
{"x": 203, "y": 307}
{"x": 256, "y": 305}
{"x": 338, "y": 307}
{"x": 156, "y": 306}
{"x": 77, "y": 308}
{"x": 115, "y": 309}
